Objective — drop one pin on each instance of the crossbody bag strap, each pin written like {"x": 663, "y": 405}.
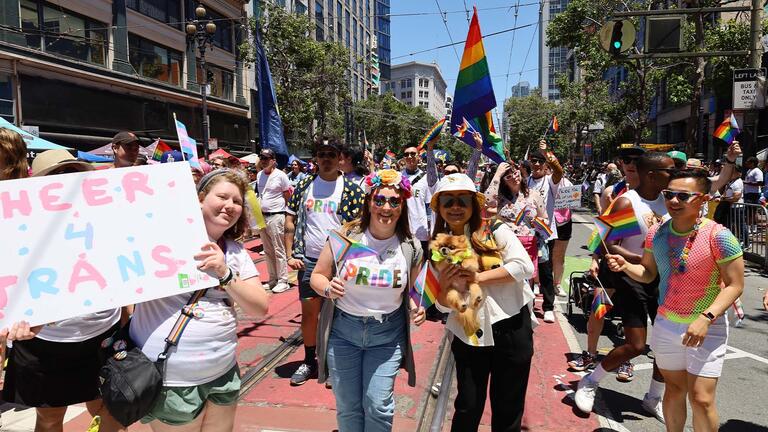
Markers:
{"x": 184, "y": 318}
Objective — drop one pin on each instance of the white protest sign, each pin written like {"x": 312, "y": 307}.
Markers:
{"x": 568, "y": 197}
{"x": 85, "y": 242}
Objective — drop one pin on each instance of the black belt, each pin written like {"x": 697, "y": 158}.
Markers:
{"x": 272, "y": 213}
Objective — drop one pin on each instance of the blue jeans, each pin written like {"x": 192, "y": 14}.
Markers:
{"x": 364, "y": 356}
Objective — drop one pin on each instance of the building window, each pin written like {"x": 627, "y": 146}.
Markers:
{"x": 154, "y": 61}
{"x": 300, "y": 8}
{"x": 65, "y": 33}
{"x": 167, "y": 11}
{"x": 319, "y": 21}
{"x": 424, "y": 82}
{"x": 223, "y": 38}
{"x": 406, "y": 83}
{"x": 220, "y": 81}
{"x": 6, "y": 98}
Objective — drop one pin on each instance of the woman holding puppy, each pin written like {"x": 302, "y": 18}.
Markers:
{"x": 501, "y": 350}
{"x": 363, "y": 333}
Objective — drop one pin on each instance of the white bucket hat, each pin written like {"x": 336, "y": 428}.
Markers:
{"x": 454, "y": 183}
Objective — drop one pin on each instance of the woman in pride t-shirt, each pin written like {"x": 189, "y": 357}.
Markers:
{"x": 202, "y": 380}
{"x": 366, "y": 340}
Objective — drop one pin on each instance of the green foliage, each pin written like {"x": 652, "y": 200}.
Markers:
{"x": 392, "y": 125}
{"x": 527, "y": 120}
{"x": 309, "y": 76}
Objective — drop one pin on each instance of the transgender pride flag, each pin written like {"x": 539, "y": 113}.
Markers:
{"x": 188, "y": 145}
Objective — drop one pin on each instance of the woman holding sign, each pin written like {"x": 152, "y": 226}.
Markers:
{"x": 363, "y": 334}
{"x": 202, "y": 380}
{"x": 501, "y": 350}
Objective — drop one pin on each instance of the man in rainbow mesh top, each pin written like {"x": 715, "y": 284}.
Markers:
{"x": 701, "y": 271}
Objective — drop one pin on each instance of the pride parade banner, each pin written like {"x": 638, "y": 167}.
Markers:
{"x": 85, "y": 242}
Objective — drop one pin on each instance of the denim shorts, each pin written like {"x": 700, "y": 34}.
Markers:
{"x": 305, "y": 291}
{"x": 181, "y": 405}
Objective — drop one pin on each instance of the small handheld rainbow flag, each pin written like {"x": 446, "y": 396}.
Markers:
{"x": 542, "y": 228}
{"x": 596, "y": 240}
{"x": 601, "y": 304}
{"x": 623, "y": 224}
{"x": 390, "y": 155}
{"x": 462, "y": 129}
{"x": 425, "y": 288}
{"x": 728, "y": 129}
{"x": 520, "y": 217}
{"x": 432, "y": 134}
{"x": 554, "y": 126}
{"x": 344, "y": 249}
{"x": 160, "y": 148}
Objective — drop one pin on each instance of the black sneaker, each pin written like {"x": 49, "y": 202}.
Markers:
{"x": 303, "y": 374}
{"x": 582, "y": 362}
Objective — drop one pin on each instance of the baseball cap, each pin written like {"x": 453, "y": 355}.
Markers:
{"x": 171, "y": 156}
{"x": 51, "y": 160}
{"x": 631, "y": 151}
{"x": 266, "y": 154}
{"x": 453, "y": 183}
{"x": 676, "y": 154}
{"x": 332, "y": 144}
{"x": 125, "y": 137}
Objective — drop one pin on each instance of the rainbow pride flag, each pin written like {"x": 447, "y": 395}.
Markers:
{"x": 425, "y": 288}
{"x": 520, "y": 217}
{"x": 601, "y": 232}
{"x": 473, "y": 97}
{"x": 728, "y": 129}
{"x": 601, "y": 304}
{"x": 432, "y": 134}
{"x": 623, "y": 224}
{"x": 344, "y": 249}
{"x": 542, "y": 228}
{"x": 160, "y": 148}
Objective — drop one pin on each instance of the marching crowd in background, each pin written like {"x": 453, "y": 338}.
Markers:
{"x": 682, "y": 271}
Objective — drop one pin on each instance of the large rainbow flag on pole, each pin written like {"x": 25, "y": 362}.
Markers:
{"x": 473, "y": 97}
{"x": 728, "y": 129}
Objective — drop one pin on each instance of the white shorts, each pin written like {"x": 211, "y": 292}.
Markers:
{"x": 705, "y": 361}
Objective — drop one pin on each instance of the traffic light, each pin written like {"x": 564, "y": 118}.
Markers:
{"x": 617, "y": 37}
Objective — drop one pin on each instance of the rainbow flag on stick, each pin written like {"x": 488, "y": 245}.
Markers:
{"x": 542, "y": 228}
{"x": 473, "y": 97}
{"x": 160, "y": 148}
{"x": 601, "y": 304}
{"x": 597, "y": 239}
{"x": 520, "y": 217}
{"x": 432, "y": 134}
{"x": 623, "y": 224}
{"x": 344, "y": 249}
{"x": 425, "y": 288}
{"x": 728, "y": 130}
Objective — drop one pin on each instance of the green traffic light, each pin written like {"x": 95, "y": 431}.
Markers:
{"x": 617, "y": 44}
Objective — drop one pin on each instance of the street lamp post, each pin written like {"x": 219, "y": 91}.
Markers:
{"x": 201, "y": 30}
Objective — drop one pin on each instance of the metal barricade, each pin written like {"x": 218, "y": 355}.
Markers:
{"x": 749, "y": 222}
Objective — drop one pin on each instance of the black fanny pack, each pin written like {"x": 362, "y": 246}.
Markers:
{"x": 130, "y": 381}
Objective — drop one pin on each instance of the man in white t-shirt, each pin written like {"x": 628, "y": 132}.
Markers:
{"x": 752, "y": 181}
{"x": 423, "y": 184}
{"x": 321, "y": 202}
{"x": 274, "y": 190}
{"x": 546, "y": 185}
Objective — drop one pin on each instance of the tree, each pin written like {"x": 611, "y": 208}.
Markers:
{"x": 582, "y": 104}
{"x": 310, "y": 77}
{"x": 527, "y": 121}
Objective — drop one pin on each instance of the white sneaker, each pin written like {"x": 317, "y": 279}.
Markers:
{"x": 654, "y": 407}
{"x": 560, "y": 291}
{"x": 549, "y": 317}
{"x": 281, "y": 287}
{"x": 536, "y": 290}
{"x": 585, "y": 395}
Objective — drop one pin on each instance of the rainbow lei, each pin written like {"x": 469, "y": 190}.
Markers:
{"x": 682, "y": 263}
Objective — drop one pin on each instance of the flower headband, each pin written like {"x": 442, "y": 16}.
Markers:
{"x": 388, "y": 177}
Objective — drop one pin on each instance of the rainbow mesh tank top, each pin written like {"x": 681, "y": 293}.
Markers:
{"x": 684, "y": 296}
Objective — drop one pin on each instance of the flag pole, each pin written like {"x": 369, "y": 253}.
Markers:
{"x": 183, "y": 156}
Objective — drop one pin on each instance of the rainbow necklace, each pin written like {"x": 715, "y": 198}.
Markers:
{"x": 682, "y": 263}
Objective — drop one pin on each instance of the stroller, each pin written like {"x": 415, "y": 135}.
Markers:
{"x": 583, "y": 293}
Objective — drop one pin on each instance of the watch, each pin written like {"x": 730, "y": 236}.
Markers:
{"x": 710, "y": 316}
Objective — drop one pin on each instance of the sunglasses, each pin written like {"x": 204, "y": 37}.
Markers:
{"x": 380, "y": 200}
{"x": 265, "y": 157}
{"x": 327, "y": 155}
{"x": 410, "y": 154}
{"x": 449, "y": 201}
{"x": 666, "y": 170}
{"x": 537, "y": 162}
{"x": 682, "y": 197}
{"x": 449, "y": 172}
{"x": 509, "y": 175}
{"x": 629, "y": 159}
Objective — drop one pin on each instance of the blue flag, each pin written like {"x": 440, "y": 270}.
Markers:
{"x": 270, "y": 124}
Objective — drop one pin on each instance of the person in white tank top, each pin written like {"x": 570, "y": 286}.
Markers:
{"x": 638, "y": 301}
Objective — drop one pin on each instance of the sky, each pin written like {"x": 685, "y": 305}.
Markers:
{"x": 427, "y": 30}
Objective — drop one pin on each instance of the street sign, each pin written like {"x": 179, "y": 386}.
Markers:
{"x": 748, "y": 89}
{"x": 617, "y": 36}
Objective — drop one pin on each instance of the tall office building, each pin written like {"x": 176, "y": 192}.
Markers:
{"x": 552, "y": 60}
{"x": 383, "y": 38}
{"x": 521, "y": 89}
{"x": 81, "y": 70}
{"x": 419, "y": 84}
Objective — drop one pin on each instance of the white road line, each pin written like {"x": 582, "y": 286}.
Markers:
{"x": 743, "y": 353}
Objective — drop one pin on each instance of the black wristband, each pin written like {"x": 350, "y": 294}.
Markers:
{"x": 228, "y": 278}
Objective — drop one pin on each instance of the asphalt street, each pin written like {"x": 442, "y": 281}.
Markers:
{"x": 742, "y": 390}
